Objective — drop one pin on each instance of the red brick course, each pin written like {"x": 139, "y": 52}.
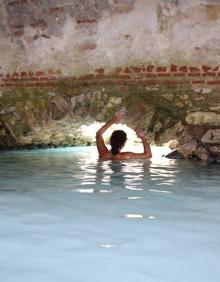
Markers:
{"x": 143, "y": 75}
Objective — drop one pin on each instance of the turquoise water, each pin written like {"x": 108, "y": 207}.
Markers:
{"x": 65, "y": 216}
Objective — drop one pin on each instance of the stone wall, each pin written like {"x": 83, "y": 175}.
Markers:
{"x": 68, "y": 62}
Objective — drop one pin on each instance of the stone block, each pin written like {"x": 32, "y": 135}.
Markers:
{"x": 187, "y": 150}
{"x": 61, "y": 104}
{"x": 215, "y": 151}
{"x": 202, "y": 153}
{"x": 203, "y": 118}
{"x": 8, "y": 110}
{"x": 212, "y": 136}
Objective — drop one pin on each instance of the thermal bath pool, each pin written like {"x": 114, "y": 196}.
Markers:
{"x": 65, "y": 216}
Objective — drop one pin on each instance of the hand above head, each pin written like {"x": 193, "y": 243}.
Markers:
{"x": 139, "y": 132}
{"x": 117, "y": 117}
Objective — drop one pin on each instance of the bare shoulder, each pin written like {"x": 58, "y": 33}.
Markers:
{"x": 123, "y": 156}
{"x": 126, "y": 155}
{"x": 106, "y": 156}
{"x": 131, "y": 155}
{"x": 119, "y": 157}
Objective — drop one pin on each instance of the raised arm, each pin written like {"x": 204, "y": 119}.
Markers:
{"x": 145, "y": 142}
{"x": 147, "y": 150}
{"x": 102, "y": 149}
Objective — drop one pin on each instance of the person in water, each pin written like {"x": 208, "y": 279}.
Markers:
{"x": 117, "y": 142}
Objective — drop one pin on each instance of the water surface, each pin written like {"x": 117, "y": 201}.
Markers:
{"x": 66, "y": 216}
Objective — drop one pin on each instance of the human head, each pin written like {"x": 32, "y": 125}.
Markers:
{"x": 117, "y": 141}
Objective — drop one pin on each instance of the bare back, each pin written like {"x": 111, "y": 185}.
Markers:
{"x": 121, "y": 156}
{"x": 105, "y": 154}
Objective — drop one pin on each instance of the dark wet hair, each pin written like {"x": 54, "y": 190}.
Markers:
{"x": 117, "y": 140}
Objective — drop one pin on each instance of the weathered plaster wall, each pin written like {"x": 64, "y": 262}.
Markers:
{"x": 68, "y": 62}
{"x": 78, "y": 36}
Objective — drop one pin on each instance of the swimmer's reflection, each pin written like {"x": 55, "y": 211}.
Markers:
{"x": 128, "y": 175}
{"x": 132, "y": 175}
